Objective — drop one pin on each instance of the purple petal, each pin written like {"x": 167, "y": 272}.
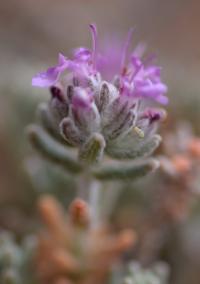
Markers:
{"x": 153, "y": 73}
{"x": 61, "y": 59}
{"x": 51, "y": 76}
{"x": 162, "y": 99}
{"x": 81, "y": 98}
{"x": 137, "y": 66}
{"x": 153, "y": 91}
{"x": 108, "y": 64}
{"x": 82, "y": 54}
{"x": 137, "y": 63}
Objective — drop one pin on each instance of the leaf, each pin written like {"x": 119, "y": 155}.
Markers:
{"x": 126, "y": 171}
{"x": 140, "y": 147}
{"x": 52, "y": 150}
{"x": 45, "y": 118}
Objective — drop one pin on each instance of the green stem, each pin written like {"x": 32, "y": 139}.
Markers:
{"x": 88, "y": 189}
{"x": 94, "y": 201}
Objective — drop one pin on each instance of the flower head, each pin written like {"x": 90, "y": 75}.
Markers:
{"x": 138, "y": 78}
{"x": 118, "y": 108}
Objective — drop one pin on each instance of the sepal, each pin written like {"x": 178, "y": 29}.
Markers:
{"x": 92, "y": 151}
{"x": 70, "y": 132}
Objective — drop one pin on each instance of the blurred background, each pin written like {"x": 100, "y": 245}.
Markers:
{"x": 32, "y": 34}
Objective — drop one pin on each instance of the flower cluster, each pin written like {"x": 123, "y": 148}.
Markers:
{"x": 116, "y": 113}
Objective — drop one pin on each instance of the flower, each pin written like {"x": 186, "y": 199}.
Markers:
{"x": 108, "y": 93}
{"x": 138, "y": 78}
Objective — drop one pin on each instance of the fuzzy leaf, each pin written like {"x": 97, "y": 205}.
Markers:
{"x": 92, "y": 151}
{"x": 126, "y": 171}
{"x": 52, "y": 150}
{"x": 143, "y": 148}
{"x": 45, "y": 118}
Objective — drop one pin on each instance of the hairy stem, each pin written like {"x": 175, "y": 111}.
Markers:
{"x": 88, "y": 189}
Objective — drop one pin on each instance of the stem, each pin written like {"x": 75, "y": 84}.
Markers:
{"x": 88, "y": 189}
{"x": 83, "y": 183}
{"x": 94, "y": 201}
{"x": 109, "y": 198}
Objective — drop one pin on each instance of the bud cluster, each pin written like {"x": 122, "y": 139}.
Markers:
{"x": 95, "y": 115}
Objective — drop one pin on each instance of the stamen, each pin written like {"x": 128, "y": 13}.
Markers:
{"x": 125, "y": 49}
{"x": 136, "y": 56}
{"x": 139, "y": 131}
{"x": 137, "y": 69}
{"x": 94, "y": 43}
{"x": 140, "y": 50}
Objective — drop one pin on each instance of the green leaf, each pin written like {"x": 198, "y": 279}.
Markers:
{"x": 143, "y": 148}
{"x": 126, "y": 171}
{"x": 52, "y": 150}
{"x": 45, "y": 118}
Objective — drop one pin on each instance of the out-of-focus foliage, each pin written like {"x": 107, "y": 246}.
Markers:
{"x": 154, "y": 275}
{"x": 15, "y": 260}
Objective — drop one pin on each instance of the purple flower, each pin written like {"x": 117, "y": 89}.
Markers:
{"x": 106, "y": 93}
{"x": 109, "y": 59}
{"x": 137, "y": 78}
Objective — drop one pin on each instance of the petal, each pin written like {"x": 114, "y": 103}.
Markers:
{"x": 51, "y": 76}
{"x": 82, "y": 54}
{"x": 162, "y": 99}
{"x": 81, "y": 98}
{"x": 150, "y": 90}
